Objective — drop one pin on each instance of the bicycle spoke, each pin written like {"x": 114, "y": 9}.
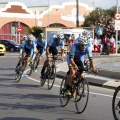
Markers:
{"x": 82, "y": 95}
{"x": 116, "y": 104}
{"x": 51, "y": 76}
{"x": 63, "y": 98}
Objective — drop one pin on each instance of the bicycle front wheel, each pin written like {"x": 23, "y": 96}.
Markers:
{"x": 20, "y": 72}
{"x": 18, "y": 76}
{"x": 51, "y": 77}
{"x": 82, "y": 95}
{"x": 44, "y": 77}
{"x": 64, "y": 99}
{"x": 116, "y": 104}
{"x": 31, "y": 69}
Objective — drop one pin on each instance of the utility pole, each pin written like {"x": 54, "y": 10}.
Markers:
{"x": 116, "y": 30}
{"x": 77, "y": 13}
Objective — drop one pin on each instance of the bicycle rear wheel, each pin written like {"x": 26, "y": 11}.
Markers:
{"x": 63, "y": 98}
{"x": 116, "y": 104}
{"x": 51, "y": 77}
{"x": 82, "y": 95}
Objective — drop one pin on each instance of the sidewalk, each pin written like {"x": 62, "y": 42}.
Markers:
{"x": 108, "y": 75}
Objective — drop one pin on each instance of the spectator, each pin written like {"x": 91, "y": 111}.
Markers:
{"x": 95, "y": 43}
{"x": 112, "y": 42}
{"x": 99, "y": 42}
{"x": 105, "y": 44}
{"x": 76, "y": 41}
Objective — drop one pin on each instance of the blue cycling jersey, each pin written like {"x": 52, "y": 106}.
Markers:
{"x": 78, "y": 54}
{"x": 53, "y": 42}
{"x": 29, "y": 47}
{"x": 41, "y": 45}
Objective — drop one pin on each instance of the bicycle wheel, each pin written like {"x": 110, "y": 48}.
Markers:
{"x": 20, "y": 72}
{"x": 43, "y": 80}
{"x": 82, "y": 95}
{"x": 116, "y": 104}
{"x": 31, "y": 69}
{"x": 51, "y": 76}
{"x": 63, "y": 98}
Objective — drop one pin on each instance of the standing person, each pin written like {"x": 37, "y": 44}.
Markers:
{"x": 95, "y": 43}
{"x": 105, "y": 44}
{"x": 90, "y": 42}
{"x": 99, "y": 42}
{"x": 52, "y": 47}
{"x": 76, "y": 41}
{"x": 112, "y": 42}
{"x": 41, "y": 44}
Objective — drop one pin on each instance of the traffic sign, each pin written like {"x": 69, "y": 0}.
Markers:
{"x": 117, "y": 16}
{"x": 19, "y": 29}
{"x": 117, "y": 24}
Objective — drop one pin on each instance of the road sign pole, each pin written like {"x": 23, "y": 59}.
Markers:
{"x": 116, "y": 30}
{"x": 19, "y": 37}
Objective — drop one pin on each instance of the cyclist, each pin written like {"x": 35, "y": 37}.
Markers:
{"x": 27, "y": 48}
{"x": 23, "y": 39}
{"x": 75, "y": 59}
{"x": 41, "y": 44}
{"x": 52, "y": 47}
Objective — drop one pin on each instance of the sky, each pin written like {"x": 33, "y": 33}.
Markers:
{"x": 105, "y": 4}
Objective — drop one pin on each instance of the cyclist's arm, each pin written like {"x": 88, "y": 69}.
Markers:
{"x": 89, "y": 53}
{"x": 44, "y": 49}
{"x": 62, "y": 49}
{"x": 47, "y": 51}
{"x": 71, "y": 55}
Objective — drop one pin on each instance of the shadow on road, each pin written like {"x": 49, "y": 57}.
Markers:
{"x": 19, "y": 118}
{"x": 7, "y": 68}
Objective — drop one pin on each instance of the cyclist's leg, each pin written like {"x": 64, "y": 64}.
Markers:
{"x": 45, "y": 63}
{"x": 23, "y": 55}
{"x": 27, "y": 60}
{"x": 38, "y": 62}
{"x": 69, "y": 80}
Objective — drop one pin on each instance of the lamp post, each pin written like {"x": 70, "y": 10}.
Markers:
{"x": 116, "y": 30}
{"x": 77, "y": 13}
{"x": 48, "y": 12}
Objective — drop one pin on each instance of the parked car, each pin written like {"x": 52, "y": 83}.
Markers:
{"x": 10, "y": 45}
{"x": 2, "y": 49}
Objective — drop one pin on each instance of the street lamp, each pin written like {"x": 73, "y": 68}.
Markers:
{"x": 48, "y": 13}
{"x": 77, "y": 13}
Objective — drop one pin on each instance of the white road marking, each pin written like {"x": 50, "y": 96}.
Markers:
{"x": 105, "y": 95}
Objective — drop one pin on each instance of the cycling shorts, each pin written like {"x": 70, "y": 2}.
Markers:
{"x": 27, "y": 52}
{"x": 53, "y": 50}
{"x": 78, "y": 63}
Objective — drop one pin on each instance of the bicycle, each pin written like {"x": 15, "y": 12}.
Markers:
{"x": 50, "y": 73}
{"x": 21, "y": 70}
{"x": 33, "y": 65}
{"x": 116, "y": 104}
{"x": 79, "y": 91}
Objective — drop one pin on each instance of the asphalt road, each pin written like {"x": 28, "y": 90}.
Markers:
{"x": 26, "y": 100}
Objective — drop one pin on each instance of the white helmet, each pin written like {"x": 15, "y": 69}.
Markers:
{"x": 83, "y": 40}
{"x": 61, "y": 36}
{"x": 31, "y": 37}
{"x": 24, "y": 37}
